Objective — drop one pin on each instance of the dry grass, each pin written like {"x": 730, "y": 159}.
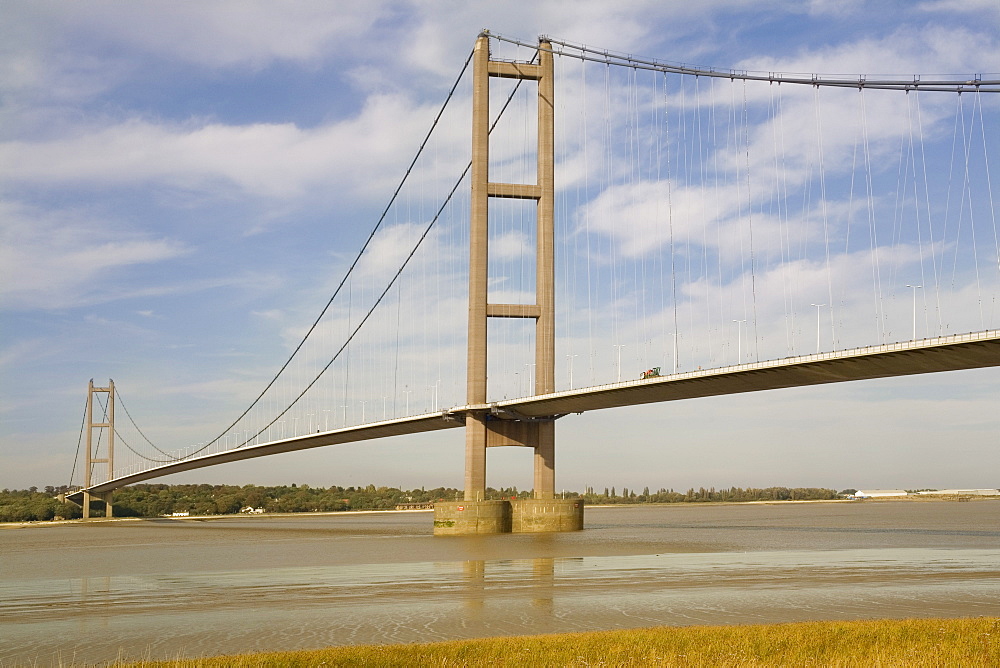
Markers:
{"x": 910, "y": 642}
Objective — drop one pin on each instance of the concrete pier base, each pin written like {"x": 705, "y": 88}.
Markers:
{"x": 460, "y": 518}
{"x": 540, "y": 515}
{"x": 457, "y": 518}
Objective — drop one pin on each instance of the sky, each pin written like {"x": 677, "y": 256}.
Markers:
{"x": 182, "y": 186}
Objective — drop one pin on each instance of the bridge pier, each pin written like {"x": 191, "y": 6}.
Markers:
{"x": 545, "y": 460}
{"x": 546, "y": 515}
{"x": 476, "y": 435}
{"x": 105, "y": 497}
{"x": 459, "y": 518}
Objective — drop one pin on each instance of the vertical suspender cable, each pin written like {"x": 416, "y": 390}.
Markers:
{"x": 873, "y": 234}
{"x": 675, "y": 354}
{"x": 989, "y": 198}
{"x": 916, "y": 199}
{"x": 967, "y": 196}
{"x": 753, "y": 270}
{"x": 930, "y": 219}
{"x": 826, "y": 220}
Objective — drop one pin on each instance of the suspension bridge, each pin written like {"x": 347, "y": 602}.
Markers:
{"x": 627, "y": 231}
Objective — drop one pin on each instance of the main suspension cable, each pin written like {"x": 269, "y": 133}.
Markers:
{"x": 354, "y": 264}
{"x": 352, "y": 267}
{"x": 118, "y": 396}
{"x": 388, "y": 287}
{"x": 79, "y": 440}
{"x": 963, "y": 85}
{"x": 135, "y": 452}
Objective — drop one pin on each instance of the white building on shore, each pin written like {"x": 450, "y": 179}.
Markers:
{"x": 878, "y": 493}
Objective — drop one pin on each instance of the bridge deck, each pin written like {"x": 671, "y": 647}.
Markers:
{"x": 949, "y": 353}
{"x": 399, "y": 427}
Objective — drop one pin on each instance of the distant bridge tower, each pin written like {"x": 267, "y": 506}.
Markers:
{"x": 109, "y": 458}
{"x": 486, "y": 428}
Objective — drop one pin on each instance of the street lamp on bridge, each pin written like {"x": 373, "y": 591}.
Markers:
{"x": 739, "y": 340}
{"x": 915, "y": 288}
{"x": 570, "y": 358}
{"x": 674, "y": 334}
{"x": 619, "y": 346}
{"x": 818, "y": 307}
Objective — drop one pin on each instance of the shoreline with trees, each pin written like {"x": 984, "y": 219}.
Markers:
{"x": 159, "y": 500}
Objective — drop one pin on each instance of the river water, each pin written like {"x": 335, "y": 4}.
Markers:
{"x": 168, "y": 588}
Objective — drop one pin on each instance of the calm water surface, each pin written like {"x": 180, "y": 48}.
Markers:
{"x": 170, "y": 588}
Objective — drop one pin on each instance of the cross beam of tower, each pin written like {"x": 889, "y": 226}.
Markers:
{"x": 482, "y": 429}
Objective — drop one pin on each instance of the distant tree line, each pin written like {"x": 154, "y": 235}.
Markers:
{"x": 702, "y": 495}
{"x": 32, "y": 505}
{"x": 154, "y": 500}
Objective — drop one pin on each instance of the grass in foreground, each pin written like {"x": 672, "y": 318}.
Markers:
{"x": 910, "y": 642}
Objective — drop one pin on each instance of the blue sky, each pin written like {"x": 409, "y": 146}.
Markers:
{"x": 182, "y": 184}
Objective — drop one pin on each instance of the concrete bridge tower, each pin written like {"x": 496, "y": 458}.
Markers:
{"x": 108, "y": 423}
{"x": 489, "y": 428}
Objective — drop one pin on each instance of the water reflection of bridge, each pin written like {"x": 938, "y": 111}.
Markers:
{"x": 482, "y": 584}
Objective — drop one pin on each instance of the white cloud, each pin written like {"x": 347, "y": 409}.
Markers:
{"x": 905, "y": 51}
{"x": 21, "y": 351}
{"x": 389, "y": 249}
{"x": 509, "y": 246}
{"x": 56, "y": 260}
{"x": 361, "y": 155}
{"x": 219, "y": 33}
{"x": 835, "y": 7}
{"x": 981, "y": 8}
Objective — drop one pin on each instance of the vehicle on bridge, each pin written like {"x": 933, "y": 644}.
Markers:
{"x": 650, "y": 373}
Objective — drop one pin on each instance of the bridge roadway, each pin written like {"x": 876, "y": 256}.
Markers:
{"x": 947, "y": 353}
